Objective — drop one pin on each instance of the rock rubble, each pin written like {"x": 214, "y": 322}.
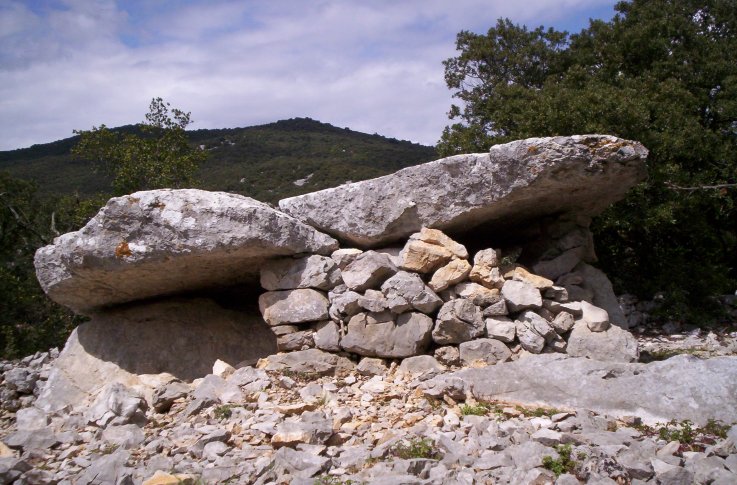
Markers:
{"x": 313, "y": 417}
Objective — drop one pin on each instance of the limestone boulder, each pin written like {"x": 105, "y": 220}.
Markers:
{"x": 374, "y": 301}
{"x": 478, "y": 295}
{"x": 458, "y": 321}
{"x": 438, "y": 238}
{"x": 116, "y": 405}
{"x": 521, "y": 274}
{"x": 293, "y": 306}
{"x": 410, "y": 288}
{"x": 31, "y": 418}
{"x": 31, "y": 439}
{"x": 486, "y": 270}
{"x": 557, "y": 344}
{"x": 524, "y": 179}
{"x": 344, "y": 302}
{"x": 315, "y": 271}
{"x": 420, "y": 365}
{"x": 369, "y": 366}
{"x": 377, "y": 335}
{"x": 164, "y": 396}
{"x": 520, "y": 295}
{"x": 450, "y": 274}
{"x": 162, "y": 242}
{"x": 299, "y": 340}
{"x": 483, "y": 351}
{"x": 448, "y": 355}
{"x": 497, "y": 309}
{"x": 210, "y": 390}
{"x": 529, "y": 339}
{"x": 312, "y": 428}
{"x": 344, "y": 256}
{"x": 612, "y": 345}
{"x": 423, "y": 257}
{"x": 368, "y": 270}
{"x": 562, "y": 322}
{"x": 573, "y": 307}
{"x": 501, "y": 328}
{"x": 538, "y": 324}
{"x": 301, "y": 465}
{"x": 597, "y": 319}
{"x": 147, "y": 345}
{"x": 327, "y": 336}
{"x": 310, "y": 361}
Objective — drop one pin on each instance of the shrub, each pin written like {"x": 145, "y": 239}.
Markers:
{"x": 223, "y": 412}
{"x": 477, "y": 410}
{"x": 416, "y": 448}
{"x": 563, "y": 464}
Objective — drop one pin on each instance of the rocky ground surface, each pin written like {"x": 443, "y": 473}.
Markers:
{"x": 657, "y": 341}
{"x": 306, "y": 420}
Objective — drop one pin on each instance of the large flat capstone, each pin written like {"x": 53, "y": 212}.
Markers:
{"x": 524, "y": 179}
{"x": 682, "y": 387}
{"x": 167, "y": 241}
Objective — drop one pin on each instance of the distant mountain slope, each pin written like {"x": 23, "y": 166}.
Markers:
{"x": 263, "y": 162}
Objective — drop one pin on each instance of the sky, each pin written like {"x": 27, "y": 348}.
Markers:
{"x": 373, "y": 66}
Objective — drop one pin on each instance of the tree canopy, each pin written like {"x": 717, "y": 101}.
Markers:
{"x": 160, "y": 157}
{"x": 663, "y": 72}
{"x": 29, "y": 321}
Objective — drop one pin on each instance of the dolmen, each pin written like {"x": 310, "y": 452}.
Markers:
{"x": 475, "y": 259}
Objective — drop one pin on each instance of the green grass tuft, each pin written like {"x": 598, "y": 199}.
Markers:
{"x": 416, "y": 448}
{"x": 563, "y": 464}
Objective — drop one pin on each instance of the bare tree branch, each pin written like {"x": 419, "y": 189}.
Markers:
{"x": 22, "y": 220}
{"x": 699, "y": 187}
{"x": 53, "y": 224}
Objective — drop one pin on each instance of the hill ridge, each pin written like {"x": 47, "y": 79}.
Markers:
{"x": 261, "y": 161}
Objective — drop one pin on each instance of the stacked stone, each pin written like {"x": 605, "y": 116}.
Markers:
{"x": 296, "y": 305}
{"x": 398, "y": 303}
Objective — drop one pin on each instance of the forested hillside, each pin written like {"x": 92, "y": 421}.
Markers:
{"x": 260, "y": 161}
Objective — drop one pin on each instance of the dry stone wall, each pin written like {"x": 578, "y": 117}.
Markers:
{"x": 432, "y": 297}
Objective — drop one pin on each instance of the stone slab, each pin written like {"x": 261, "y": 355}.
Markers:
{"x": 162, "y": 242}
{"x": 682, "y": 387}
{"x": 524, "y": 179}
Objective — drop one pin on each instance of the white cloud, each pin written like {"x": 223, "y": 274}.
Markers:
{"x": 371, "y": 66}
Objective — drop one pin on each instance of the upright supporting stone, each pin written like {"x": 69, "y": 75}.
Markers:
{"x": 145, "y": 345}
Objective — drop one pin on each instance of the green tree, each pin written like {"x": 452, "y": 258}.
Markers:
{"x": 663, "y": 72}
{"x": 29, "y": 321}
{"x": 159, "y": 157}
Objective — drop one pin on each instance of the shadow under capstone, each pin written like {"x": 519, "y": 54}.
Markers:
{"x": 180, "y": 337}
